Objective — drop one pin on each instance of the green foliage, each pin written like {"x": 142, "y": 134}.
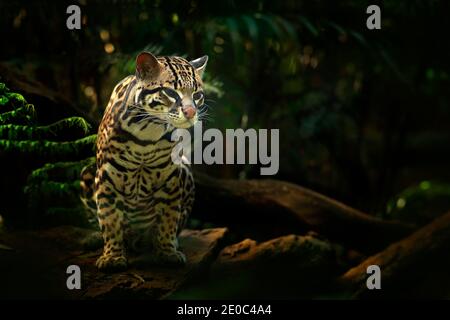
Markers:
{"x": 74, "y": 127}
{"x": 213, "y": 86}
{"x": 52, "y": 194}
{"x": 8, "y": 98}
{"x": 13, "y": 108}
{"x": 420, "y": 203}
{"x": 55, "y": 203}
{"x": 50, "y": 149}
{"x": 22, "y": 115}
{"x": 50, "y": 190}
{"x": 59, "y": 172}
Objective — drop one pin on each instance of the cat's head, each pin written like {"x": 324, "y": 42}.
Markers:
{"x": 170, "y": 89}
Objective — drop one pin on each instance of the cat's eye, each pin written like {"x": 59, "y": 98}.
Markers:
{"x": 171, "y": 94}
{"x": 198, "y": 95}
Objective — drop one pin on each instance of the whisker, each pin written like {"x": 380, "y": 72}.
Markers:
{"x": 153, "y": 119}
{"x": 205, "y": 116}
{"x": 147, "y": 116}
{"x": 157, "y": 117}
{"x": 203, "y": 108}
{"x": 205, "y": 105}
{"x": 162, "y": 117}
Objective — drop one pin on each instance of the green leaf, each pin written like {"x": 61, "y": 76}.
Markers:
{"x": 234, "y": 35}
{"x": 271, "y": 22}
{"x": 3, "y": 101}
{"x": 16, "y": 97}
{"x": 305, "y": 21}
{"x": 3, "y": 88}
{"x": 337, "y": 27}
{"x": 210, "y": 31}
{"x": 390, "y": 62}
{"x": 252, "y": 27}
{"x": 288, "y": 27}
{"x": 360, "y": 38}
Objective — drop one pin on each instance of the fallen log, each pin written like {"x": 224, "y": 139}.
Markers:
{"x": 33, "y": 265}
{"x": 299, "y": 251}
{"x": 287, "y": 267}
{"x": 276, "y": 208}
{"x": 415, "y": 267}
{"x": 148, "y": 282}
{"x": 291, "y": 266}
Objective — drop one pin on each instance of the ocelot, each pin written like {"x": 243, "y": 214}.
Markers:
{"x": 140, "y": 197}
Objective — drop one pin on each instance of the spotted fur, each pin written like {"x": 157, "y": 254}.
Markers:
{"x": 140, "y": 197}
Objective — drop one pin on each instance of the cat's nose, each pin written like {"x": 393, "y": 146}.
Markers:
{"x": 189, "y": 111}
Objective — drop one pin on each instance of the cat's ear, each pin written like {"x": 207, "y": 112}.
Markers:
{"x": 147, "y": 66}
{"x": 199, "y": 64}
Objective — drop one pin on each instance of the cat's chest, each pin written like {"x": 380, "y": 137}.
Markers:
{"x": 142, "y": 184}
{"x": 148, "y": 168}
{"x": 148, "y": 157}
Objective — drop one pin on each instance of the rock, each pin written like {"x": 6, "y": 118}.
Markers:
{"x": 36, "y": 267}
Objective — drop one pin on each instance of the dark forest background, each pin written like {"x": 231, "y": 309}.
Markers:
{"x": 363, "y": 115}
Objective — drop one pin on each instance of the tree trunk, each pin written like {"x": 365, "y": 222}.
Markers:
{"x": 277, "y": 208}
{"x": 416, "y": 266}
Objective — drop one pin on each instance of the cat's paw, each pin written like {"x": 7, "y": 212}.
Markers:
{"x": 111, "y": 263}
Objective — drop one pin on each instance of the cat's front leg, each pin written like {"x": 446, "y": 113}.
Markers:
{"x": 165, "y": 246}
{"x": 111, "y": 219}
{"x": 168, "y": 208}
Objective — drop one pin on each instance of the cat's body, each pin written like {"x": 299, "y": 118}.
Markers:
{"x": 141, "y": 197}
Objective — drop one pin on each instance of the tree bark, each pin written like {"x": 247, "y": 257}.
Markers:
{"x": 277, "y": 208}
{"x": 416, "y": 266}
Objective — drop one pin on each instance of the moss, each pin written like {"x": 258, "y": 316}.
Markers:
{"x": 60, "y": 171}
{"x": 57, "y": 151}
{"x": 75, "y": 127}
{"x": 3, "y": 88}
{"x": 54, "y": 189}
{"x": 16, "y": 99}
{"x": 22, "y": 115}
{"x": 47, "y": 197}
{"x": 419, "y": 203}
{"x": 50, "y": 192}
{"x": 9, "y": 101}
{"x": 3, "y": 101}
